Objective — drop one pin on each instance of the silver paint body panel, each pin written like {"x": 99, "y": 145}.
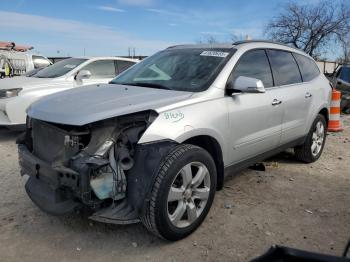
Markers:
{"x": 244, "y": 124}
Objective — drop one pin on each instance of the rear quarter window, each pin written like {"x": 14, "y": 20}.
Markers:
{"x": 308, "y": 68}
{"x": 284, "y": 68}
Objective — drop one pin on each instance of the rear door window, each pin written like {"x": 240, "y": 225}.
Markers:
{"x": 254, "y": 64}
{"x": 101, "y": 69}
{"x": 309, "y": 70}
{"x": 284, "y": 68}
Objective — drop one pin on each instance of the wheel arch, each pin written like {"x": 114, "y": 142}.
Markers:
{"x": 213, "y": 147}
{"x": 325, "y": 113}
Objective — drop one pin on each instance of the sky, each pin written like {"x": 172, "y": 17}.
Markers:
{"x": 111, "y": 27}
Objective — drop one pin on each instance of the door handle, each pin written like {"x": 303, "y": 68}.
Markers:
{"x": 308, "y": 95}
{"x": 276, "y": 102}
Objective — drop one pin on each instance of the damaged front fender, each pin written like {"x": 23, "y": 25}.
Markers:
{"x": 140, "y": 180}
{"x": 100, "y": 165}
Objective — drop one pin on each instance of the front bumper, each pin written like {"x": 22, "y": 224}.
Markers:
{"x": 49, "y": 189}
{"x": 6, "y": 118}
{"x": 62, "y": 176}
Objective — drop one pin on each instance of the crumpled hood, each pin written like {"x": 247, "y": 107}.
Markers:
{"x": 92, "y": 103}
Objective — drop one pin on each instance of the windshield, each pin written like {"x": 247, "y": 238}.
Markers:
{"x": 60, "y": 68}
{"x": 189, "y": 69}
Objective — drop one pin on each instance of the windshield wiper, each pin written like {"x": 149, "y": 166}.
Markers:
{"x": 151, "y": 85}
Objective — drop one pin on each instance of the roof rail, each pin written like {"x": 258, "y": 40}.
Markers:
{"x": 262, "y": 41}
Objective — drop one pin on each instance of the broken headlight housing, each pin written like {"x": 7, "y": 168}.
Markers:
{"x": 8, "y": 93}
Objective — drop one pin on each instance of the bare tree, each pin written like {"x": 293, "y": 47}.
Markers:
{"x": 234, "y": 37}
{"x": 311, "y": 27}
{"x": 208, "y": 39}
{"x": 211, "y": 39}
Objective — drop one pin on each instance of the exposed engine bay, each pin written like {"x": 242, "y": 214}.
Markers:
{"x": 99, "y": 165}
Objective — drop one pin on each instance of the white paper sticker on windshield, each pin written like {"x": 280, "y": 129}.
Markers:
{"x": 214, "y": 53}
{"x": 70, "y": 66}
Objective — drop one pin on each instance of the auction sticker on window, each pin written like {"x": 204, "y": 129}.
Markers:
{"x": 214, "y": 53}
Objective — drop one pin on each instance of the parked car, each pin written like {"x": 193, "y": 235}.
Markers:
{"x": 154, "y": 144}
{"x": 341, "y": 80}
{"x": 16, "y": 94}
{"x": 18, "y": 63}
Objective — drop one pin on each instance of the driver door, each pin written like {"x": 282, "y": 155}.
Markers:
{"x": 255, "y": 119}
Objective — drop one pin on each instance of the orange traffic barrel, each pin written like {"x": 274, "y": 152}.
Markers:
{"x": 334, "y": 124}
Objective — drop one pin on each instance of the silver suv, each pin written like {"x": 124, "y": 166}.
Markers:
{"x": 155, "y": 143}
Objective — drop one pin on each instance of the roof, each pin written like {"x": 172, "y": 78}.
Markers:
{"x": 264, "y": 42}
{"x": 239, "y": 44}
{"x": 204, "y": 46}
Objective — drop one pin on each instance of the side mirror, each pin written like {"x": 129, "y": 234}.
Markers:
{"x": 82, "y": 74}
{"x": 247, "y": 85}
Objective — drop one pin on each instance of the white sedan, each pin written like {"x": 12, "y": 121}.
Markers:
{"x": 18, "y": 93}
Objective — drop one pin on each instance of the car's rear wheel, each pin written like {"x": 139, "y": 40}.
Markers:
{"x": 182, "y": 193}
{"x": 313, "y": 146}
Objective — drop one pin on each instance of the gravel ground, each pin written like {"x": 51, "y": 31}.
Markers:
{"x": 292, "y": 204}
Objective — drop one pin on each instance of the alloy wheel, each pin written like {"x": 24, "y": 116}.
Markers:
{"x": 317, "y": 138}
{"x": 188, "y": 194}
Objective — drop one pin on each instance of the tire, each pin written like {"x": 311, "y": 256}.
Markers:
{"x": 307, "y": 152}
{"x": 162, "y": 215}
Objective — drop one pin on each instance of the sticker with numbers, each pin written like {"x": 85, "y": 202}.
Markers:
{"x": 214, "y": 53}
{"x": 174, "y": 116}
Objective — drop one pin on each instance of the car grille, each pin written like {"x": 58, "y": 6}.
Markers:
{"x": 49, "y": 143}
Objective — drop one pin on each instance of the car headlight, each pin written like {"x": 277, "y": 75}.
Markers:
{"x": 7, "y": 93}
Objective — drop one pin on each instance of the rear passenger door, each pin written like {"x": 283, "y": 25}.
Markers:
{"x": 296, "y": 96}
{"x": 255, "y": 119}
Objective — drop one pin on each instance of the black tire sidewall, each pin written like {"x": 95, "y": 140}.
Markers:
{"x": 164, "y": 226}
{"x": 319, "y": 118}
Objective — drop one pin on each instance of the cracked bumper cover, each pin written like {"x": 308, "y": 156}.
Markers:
{"x": 43, "y": 185}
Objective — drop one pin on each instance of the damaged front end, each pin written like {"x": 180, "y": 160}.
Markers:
{"x": 99, "y": 165}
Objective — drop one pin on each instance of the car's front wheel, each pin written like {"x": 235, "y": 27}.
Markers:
{"x": 182, "y": 193}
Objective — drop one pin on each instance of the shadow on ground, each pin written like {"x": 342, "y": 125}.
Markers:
{"x": 7, "y": 135}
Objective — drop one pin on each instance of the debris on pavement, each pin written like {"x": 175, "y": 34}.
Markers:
{"x": 258, "y": 167}
{"x": 228, "y": 206}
